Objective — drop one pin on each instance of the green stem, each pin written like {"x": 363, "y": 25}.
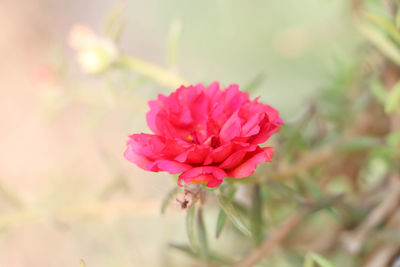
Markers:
{"x": 152, "y": 71}
{"x": 202, "y": 235}
{"x": 190, "y": 227}
{"x": 256, "y": 215}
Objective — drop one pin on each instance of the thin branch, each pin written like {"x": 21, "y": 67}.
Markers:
{"x": 275, "y": 238}
{"x": 354, "y": 240}
{"x": 310, "y": 160}
{"x": 152, "y": 71}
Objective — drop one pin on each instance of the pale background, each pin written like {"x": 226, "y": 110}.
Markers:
{"x": 62, "y": 136}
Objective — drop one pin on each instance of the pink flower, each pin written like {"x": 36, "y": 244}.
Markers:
{"x": 206, "y": 134}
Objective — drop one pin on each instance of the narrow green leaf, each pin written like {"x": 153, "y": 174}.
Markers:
{"x": 202, "y": 236}
{"x": 233, "y": 215}
{"x": 222, "y": 215}
{"x": 168, "y": 198}
{"x": 326, "y": 203}
{"x": 256, "y": 215}
{"x": 113, "y": 27}
{"x": 312, "y": 258}
{"x": 220, "y": 259}
{"x": 190, "y": 227}
{"x": 386, "y": 25}
{"x": 392, "y": 103}
{"x": 220, "y": 223}
{"x": 286, "y": 191}
{"x": 378, "y": 90}
{"x": 185, "y": 249}
{"x": 188, "y": 251}
{"x": 117, "y": 32}
{"x": 175, "y": 33}
{"x": 386, "y": 46}
{"x": 360, "y": 143}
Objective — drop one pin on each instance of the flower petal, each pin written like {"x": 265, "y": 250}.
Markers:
{"x": 169, "y": 166}
{"x": 140, "y": 161}
{"x": 219, "y": 154}
{"x": 236, "y": 158}
{"x": 248, "y": 167}
{"x": 194, "y": 155}
{"x": 204, "y": 173}
{"x": 230, "y": 129}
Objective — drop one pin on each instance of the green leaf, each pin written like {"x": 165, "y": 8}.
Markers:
{"x": 222, "y": 215}
{"x": 386, "y": 46}
{"x": 360, "y": 143}
{"x": 286, "y": 191}
{"x": 393, "y": 139}
{"x": 378, "y": 90}
{"x": 82, "y": 264}
{"x": 188, "y": 251}
{"x": 220, "y": 223}
{"x": 233, "y": 215}
{"x": 175, "y": 33}
{"x": 202, "y": 235}
{"x": 168, "y": 198}
{"x": 114, "y": 27}
{"x": 392, "y": 103}
{"x": 312, "y": 258}
{"x": 190, "y": 227}
{"x": 386, "y": 25}
{"x": 185, "y": 249}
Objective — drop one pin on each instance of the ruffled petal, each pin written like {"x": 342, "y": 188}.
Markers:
{"x": 230, "y": 129}
{"x": 140, "y": 161}
{"x": 194, "y": 155}
{"x": 148, "y": 145}
{"x": 169, "y": 166}
{"x": 248, "y": 167}
{"x": 237, "y": 157}
{"x": 219, "y": 154}
{"x": 205, "y": 174}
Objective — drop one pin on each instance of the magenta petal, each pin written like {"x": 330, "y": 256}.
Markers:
{"x": 203, "y": 170}
{"x": 149, "y": 145}
{"x": 237, "y": 157}
{"x": 219, "y": 154}
{"x": 214, "y": 182}
{"x": 194, "y": 155}
{"x": 230, "y": 129}
{"x": 248, "y": 167}
{"x": 267, "y": 129}
{"x": 169, "y": 166}
{"x": 140, "y": 161}
{"x": 208, "y": 174}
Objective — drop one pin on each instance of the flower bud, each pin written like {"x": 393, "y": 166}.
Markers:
{"x": 95, "y": 54}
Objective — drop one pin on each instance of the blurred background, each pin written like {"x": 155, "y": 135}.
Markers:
{"x": 66, "y": 192}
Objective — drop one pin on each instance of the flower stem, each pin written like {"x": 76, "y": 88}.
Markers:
{"x": 202, "y": 234}
{"x": 256, "y": 215}
{"x": 152, "y": 71}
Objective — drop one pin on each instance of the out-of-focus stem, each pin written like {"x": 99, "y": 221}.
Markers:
{"x": 310, "y": 160}
{"x": 202, "y": 236}
{"x": 274, "y": 239}
{"x": 256, "y": 215}
{"x": 152, "y": 71}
